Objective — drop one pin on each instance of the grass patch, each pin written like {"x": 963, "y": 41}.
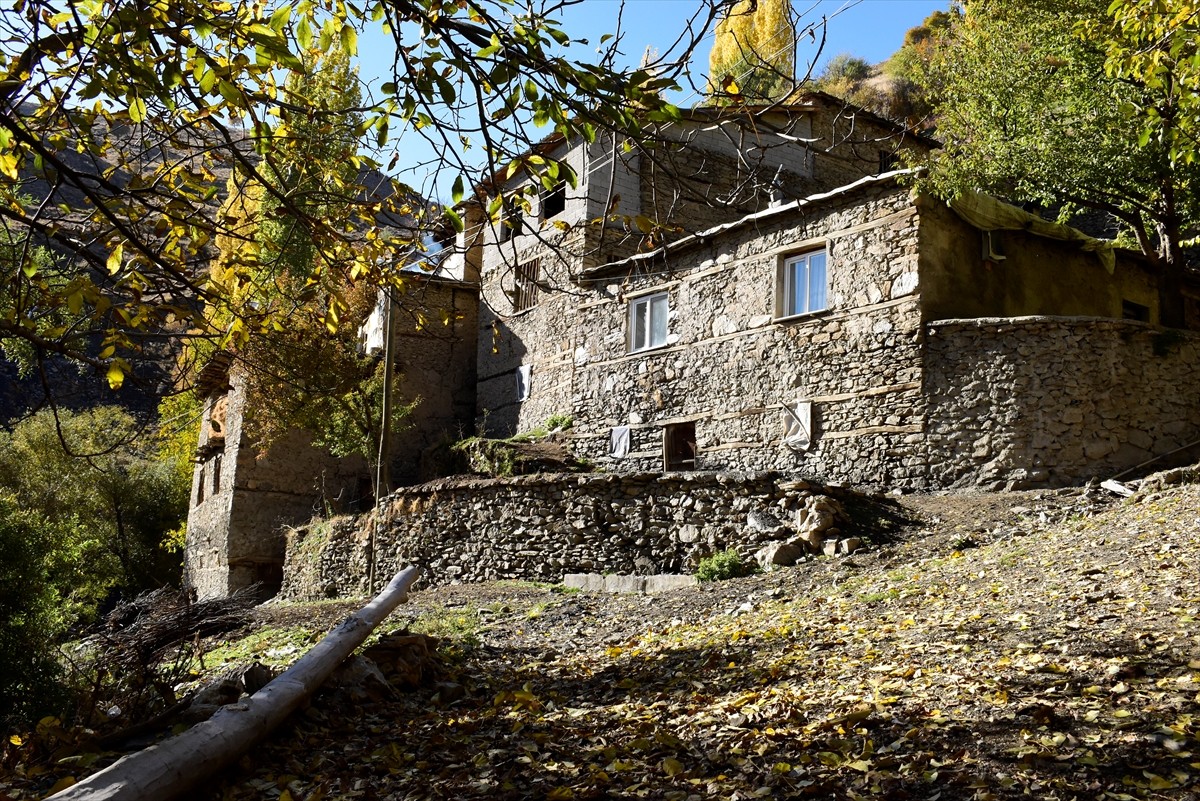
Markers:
{"x": 724, "y": 565}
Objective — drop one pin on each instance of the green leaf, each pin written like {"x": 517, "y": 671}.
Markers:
{"x": 349, "y": 38}
{"x": 455, "y": 219}
{"x": 280, "y": 18}
{"x": 137, "y": 110}
{"x": 456, "y": 192}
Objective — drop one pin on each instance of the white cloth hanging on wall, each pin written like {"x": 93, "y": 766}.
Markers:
{"x": 797, "y": 425}
{"x": 619, "y": 442}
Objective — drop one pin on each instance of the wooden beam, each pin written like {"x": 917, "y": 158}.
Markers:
{"x": 169, "y": 769}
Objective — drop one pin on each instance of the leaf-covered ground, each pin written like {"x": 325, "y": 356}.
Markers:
{"x": 1015, "y": 646}
{"x": 1020, "y": 657}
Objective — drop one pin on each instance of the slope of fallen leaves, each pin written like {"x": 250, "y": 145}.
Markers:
{"x": 1062, "y": 664}
{"x": 1053, "y": 661}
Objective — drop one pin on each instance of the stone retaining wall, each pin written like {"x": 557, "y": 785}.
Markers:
{"x": 542, "y": 527}
{"x": 1050, "y": 401}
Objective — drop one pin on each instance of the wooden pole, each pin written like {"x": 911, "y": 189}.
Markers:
{"x": 383, "y": 471}
{"x": 169, "y": 769}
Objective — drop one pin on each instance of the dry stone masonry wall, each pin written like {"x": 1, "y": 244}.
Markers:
{"x": 1038, "y": 401}
{"x": 542, "y": 527}
{"x": 730, "y": 366}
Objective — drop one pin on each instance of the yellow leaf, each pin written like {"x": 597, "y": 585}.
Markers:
{"x": 672, "y": 767}
{"x": 114, "y": 259}
{"x": 8, "y": 165}
{"x": 16, "y": 739}
{"x": 116, "y": 376}
{"x": 560, "y": 794}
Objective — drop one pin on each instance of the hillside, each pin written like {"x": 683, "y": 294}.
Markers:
{"x": 994, "y": 651}
{"x": 1026, "y": 645}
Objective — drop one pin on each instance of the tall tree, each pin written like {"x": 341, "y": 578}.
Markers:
{"x": 309, "y": 373}
{"x": 753, "y": 57}
{"x": 120, "y": 119}
{"x": 1026, "y": 110}
{"x": 1157, "y": 44}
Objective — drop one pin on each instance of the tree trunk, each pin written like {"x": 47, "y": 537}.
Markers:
{"x": 171, "y": 768}
{"x": 1170, "y": 280}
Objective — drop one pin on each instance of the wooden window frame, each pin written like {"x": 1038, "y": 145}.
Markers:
{"x": 526, "y": 276}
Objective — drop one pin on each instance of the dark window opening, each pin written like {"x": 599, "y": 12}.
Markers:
{"x": 1135, "y": 311}
{"x": 887, "y": 161}
{"x": 510, "y": 226}
{"x": 200, "y": 487}
{"x": 216, "y": 473}
{"x": 554, "y": 202}
{"x": 993, "y": 247}
{"x": 525, "y": 286}
{"x": 679, "y": 446}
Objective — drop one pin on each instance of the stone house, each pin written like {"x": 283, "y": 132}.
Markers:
{"x": 858, "y": 334}
{"x": 243, "y": 499}
{"x": 800, "y": 311}
{"x": 714, "y": 167}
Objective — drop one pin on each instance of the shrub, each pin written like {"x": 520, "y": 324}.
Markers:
{"x": 30, "y": 619}
{"x": 557, "y": 421}
{"x": 725, "y": 565}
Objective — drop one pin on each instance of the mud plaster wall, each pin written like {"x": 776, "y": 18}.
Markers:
{"x": 540, "y": 527}
{"x": 1037, "y": 276}
{"x": 435, "y": 359}
{"x": 1055, "y": 400}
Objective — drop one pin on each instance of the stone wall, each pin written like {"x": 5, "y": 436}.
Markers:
{"x": 1037, "y": 401}
{"x": 730, "y": 364}
{"x": 542, "y": 527}
{"x": 243, "y": 498}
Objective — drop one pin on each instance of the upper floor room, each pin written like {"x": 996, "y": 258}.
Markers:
{"x": 714, "y": 165}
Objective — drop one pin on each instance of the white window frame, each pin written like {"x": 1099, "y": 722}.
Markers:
{"x": 648, "y": 301}
{"x": 788, "y": 268}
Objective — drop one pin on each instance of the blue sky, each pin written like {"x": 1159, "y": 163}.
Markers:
{"x": 869, "y": 29}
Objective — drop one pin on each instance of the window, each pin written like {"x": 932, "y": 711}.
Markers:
{"x": 887, "y": 161}
{"x": 216, "y": 473}
{"x": 525, "y": 284}
{"x": 802, "y": 285}
{"x": 510, "y": 226}
{"x": 648, "y": 322}
{"x": 679, "y": 446}
{"x": 554, "y": 202}
{"x": 1135, "y": 311}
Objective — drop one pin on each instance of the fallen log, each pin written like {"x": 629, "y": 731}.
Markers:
{"x": 170, "y": 768}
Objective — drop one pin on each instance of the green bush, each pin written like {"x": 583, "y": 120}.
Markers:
{"x": 30, "y": 618}
{"x": 725, "y": 565}
{"x": 106, "y": 499}
{"x": 554, "y": 421}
